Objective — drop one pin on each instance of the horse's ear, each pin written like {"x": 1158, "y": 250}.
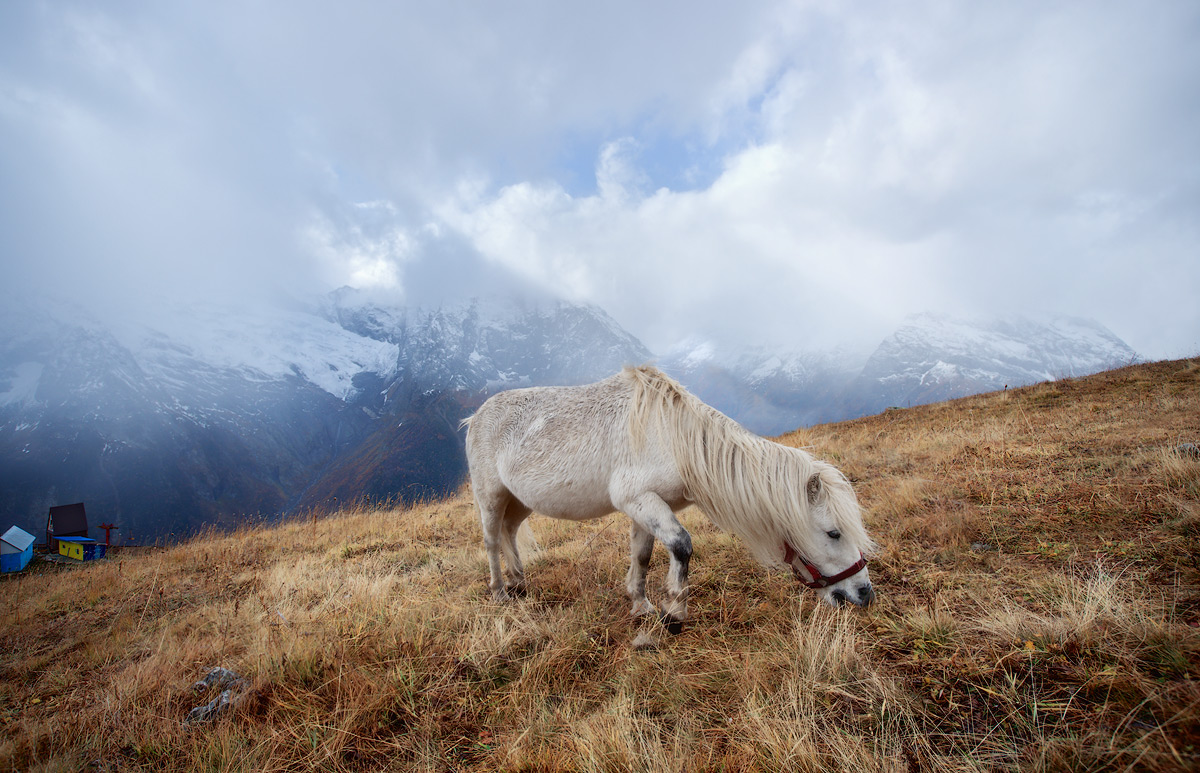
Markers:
{"x": 814, "y": 488}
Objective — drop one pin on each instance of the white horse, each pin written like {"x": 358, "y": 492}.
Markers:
{"x": 638, "y": 442}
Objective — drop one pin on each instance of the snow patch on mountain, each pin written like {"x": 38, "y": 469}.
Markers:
{"x": 22, "y": 384}
{"x": 262, "y": 344}
{"x": 691, "y": 353}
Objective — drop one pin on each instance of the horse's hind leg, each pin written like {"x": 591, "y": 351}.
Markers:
{"x": 641, "y": 545}
{"x": 493, "y": 504}
{"x": 514, "y": 515}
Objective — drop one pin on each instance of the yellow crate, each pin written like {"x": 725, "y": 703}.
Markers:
{"x": 70, "y": 549}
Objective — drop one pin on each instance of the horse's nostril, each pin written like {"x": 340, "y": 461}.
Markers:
{"x": 840, "y": 597}
{"x": 867, "y": 594}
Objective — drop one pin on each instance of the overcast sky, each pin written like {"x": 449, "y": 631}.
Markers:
{"x": 788, "y": 173}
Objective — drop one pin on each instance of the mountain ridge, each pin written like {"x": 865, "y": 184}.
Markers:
{"x": 222, "y": 417}
{"x": 217, "y": 416}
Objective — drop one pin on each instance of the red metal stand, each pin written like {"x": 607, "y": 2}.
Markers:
{"x": 108, "y": 528}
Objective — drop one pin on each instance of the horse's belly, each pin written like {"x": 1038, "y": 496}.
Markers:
{"x": 582, "y": 474}
{"x": 569, "y": 499}
{"x": 590, "y": 492}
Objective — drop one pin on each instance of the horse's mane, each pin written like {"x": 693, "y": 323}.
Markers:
{"x": 745, "y": 484}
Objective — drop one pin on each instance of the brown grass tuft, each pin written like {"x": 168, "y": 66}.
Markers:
{"x": 1181, "y": 470}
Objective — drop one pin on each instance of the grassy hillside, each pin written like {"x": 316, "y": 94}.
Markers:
{"x": 1038, "y": 609}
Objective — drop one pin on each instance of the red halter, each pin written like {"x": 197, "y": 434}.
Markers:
{"x": 819, "y": 580}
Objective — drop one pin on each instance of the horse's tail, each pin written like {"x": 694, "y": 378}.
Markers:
{"x": 527, "y": 544}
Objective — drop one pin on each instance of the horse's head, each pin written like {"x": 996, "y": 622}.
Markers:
{"x": 833, "y": 562}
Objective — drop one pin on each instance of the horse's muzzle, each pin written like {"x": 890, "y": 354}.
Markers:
{"x": 862, "y": 596}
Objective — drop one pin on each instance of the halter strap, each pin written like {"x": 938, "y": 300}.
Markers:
{"x": 819, "y": 580}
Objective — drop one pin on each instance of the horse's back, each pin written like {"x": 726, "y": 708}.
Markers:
{"x": 553, "y": 448}
{"x": 523, "y": 418}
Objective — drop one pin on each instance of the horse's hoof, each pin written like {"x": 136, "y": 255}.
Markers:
{"x": 642, "y": 608}
{"x": 517, "y": 591}
{"x": 672, "y": 625}
{"x": 501, "y": 595}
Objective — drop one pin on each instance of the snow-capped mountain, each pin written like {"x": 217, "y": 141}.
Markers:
{"x": 931, "y": 357}
{"x": 490, "y": 344}
{"x": 934, "y": 357}
{"x": 213, "y": 414}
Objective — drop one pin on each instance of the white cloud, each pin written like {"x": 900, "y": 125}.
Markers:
{"x": 883, "y": 179}
{"x": 350, "y": 256}
{"x": 844, "y": 163}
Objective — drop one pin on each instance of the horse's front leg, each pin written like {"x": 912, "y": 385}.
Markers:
{"x": 654, "y": 515}
{"x": 641, "y": 545}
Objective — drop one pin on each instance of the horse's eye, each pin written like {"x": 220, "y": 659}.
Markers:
{"x": 835, "y": 534}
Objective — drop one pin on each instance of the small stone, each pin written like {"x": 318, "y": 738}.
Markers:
{"x": 1188, "y": 450}
{"x": 231, "y": 686}
{"x": 210, "y": 710}
{"x": 219, "y": 678}
{"x": 981, "y": 547}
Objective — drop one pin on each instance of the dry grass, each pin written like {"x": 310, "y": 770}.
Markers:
{"x": 1038, "y": 610}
